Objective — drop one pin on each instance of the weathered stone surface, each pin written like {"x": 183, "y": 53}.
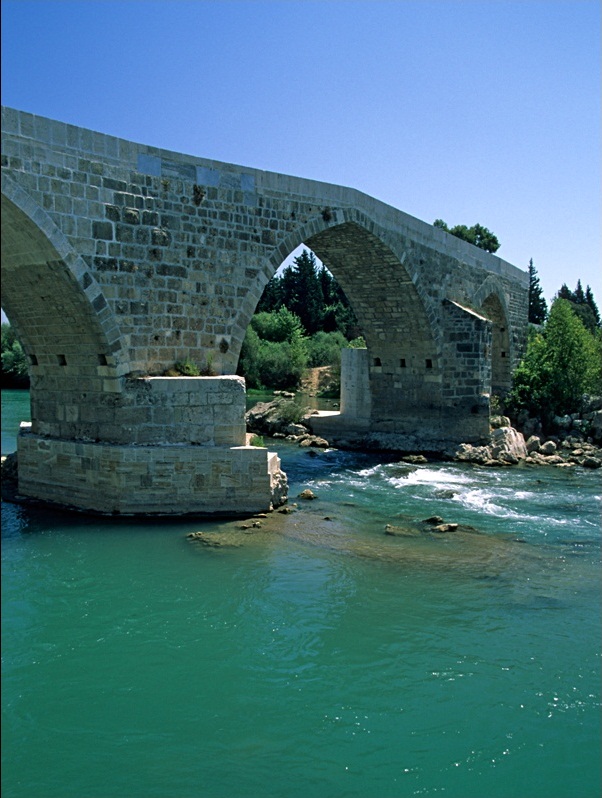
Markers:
{"x": 533, "y": 444}
{"x": 161, "y": 479}
{"x": 507, "y": 447}
{"x": 314, "y": 440}
{"x": 507, "y": 444}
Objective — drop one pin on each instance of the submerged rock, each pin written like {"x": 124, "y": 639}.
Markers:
{"x": 407, "y": 531}
{"x": 212, "y": 541}
{"x": 445, "y": 527}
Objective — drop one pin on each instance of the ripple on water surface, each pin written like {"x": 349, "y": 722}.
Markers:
{"x": 312, "y": 657}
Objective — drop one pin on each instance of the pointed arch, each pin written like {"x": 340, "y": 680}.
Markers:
{"x": 56, "y": 306}
{"x": 490, "y": 298}
{"x": 404, "y": 353}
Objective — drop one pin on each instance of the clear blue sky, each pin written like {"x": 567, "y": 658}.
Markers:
{"x": 463, "y": 110}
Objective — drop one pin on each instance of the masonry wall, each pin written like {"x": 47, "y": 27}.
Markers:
{"x": 180, "y": 248}
{"x": 168, "y": 479}
{"x": 355, "y": 384}
{"x": 152, "y": 410}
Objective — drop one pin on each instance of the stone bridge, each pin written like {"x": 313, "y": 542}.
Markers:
{"x": 120, "y": 259}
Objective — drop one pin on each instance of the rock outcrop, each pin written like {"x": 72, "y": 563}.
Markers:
{"x": 507, "y": 446}
{"x": 274, "y": 419}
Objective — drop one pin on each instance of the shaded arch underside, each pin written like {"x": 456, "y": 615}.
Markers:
{"x": 501, "y": 368}
{"x": 402, "y": 353}
{"x": 379, "y": 288}
{"x": 404, "y": 360}
{"x": 55, "y": 322}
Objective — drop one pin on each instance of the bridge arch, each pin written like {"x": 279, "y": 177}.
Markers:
{"x": 404, "y": 357}
{"x": 59, "y": 315}
{"x": 491, "y": 300}
{"x": 56, "y": 306}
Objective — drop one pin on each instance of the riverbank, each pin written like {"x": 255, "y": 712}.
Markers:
{"x": 285, "y": 417}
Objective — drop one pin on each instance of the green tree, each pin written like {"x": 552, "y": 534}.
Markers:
{"x": 563, "y": 362}
{"x": 538, "y": 309}
{"x": 272, "y": 298}
{"x": 311, "y": 293}
{"x": 324, "y": 349}
{"x": 589, "y": 298}
{"x": 282, "y": 325}
{"x": 303, "y": 293}
{"x": 583, "y": 305}
{"x": 248, "y": 362}
{"x": 477, "y": 234}
{"x": 274, "y": 351}
{"x": 579, "y": 294}
{"x": 15, "y": 370}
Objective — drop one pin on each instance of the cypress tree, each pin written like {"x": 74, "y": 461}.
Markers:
{"x": 537, "y": 304}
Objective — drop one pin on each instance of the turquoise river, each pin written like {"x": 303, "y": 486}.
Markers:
{"x": 314, "y": 656}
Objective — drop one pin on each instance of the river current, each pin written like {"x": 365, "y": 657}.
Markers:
{"x": 315, "y": 656}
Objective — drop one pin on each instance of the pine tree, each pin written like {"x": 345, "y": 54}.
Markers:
{"x": 583, "y": 307}
{"x": 578, "y": 294}
{"x": 305, "y": 299}
{"x": 271, "y": 299}
{"x": 538, "y": 310}
{"x": 589, "y": 298}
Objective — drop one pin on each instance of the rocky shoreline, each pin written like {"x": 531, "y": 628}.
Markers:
{"x": 574, "y": 441}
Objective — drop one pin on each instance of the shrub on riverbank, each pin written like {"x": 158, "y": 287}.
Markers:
{"x": 562, "y": 364}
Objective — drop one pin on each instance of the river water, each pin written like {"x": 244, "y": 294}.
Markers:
{"x": 315, "y": 656}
